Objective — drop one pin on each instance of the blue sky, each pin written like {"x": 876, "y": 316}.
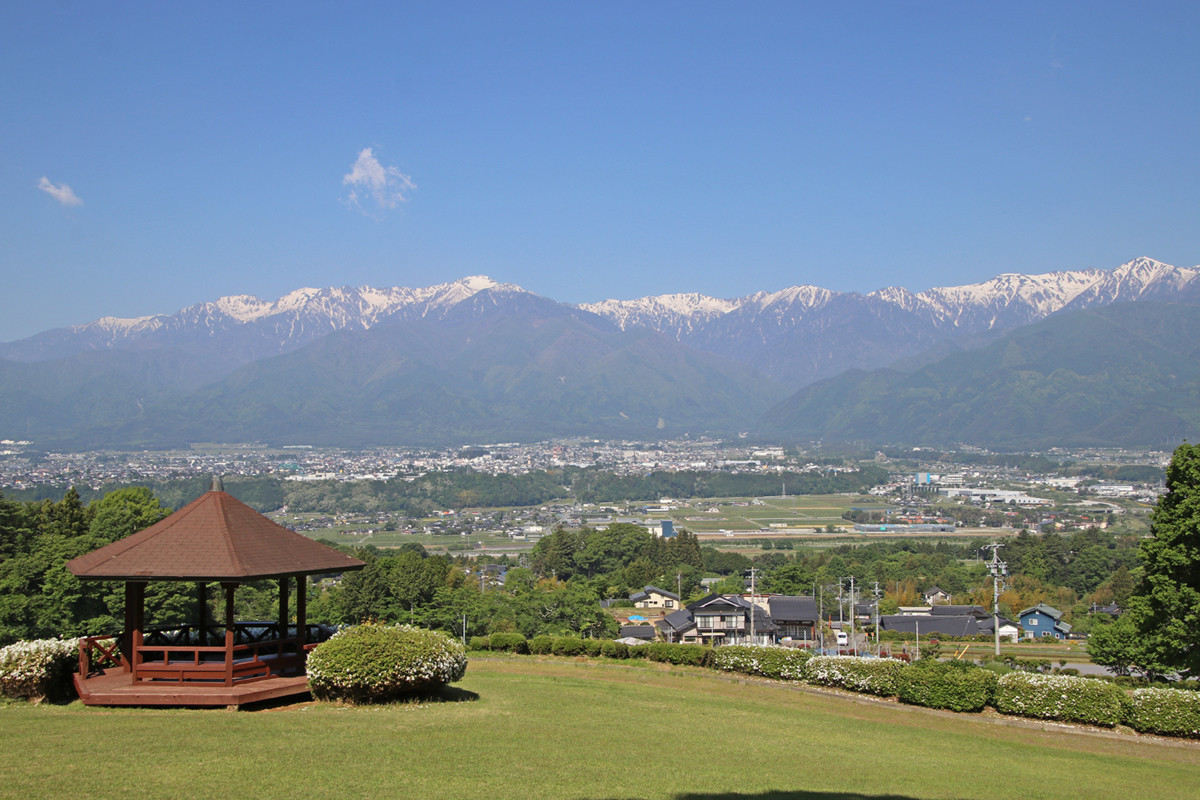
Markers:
{"x": 155, "y": 155}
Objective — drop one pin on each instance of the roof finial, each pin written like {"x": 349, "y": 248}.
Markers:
{"x": 217, "y": 484}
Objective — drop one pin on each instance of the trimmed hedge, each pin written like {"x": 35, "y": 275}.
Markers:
{"x": 509, "y": 642}
{"x": 780, "y": 663}
{"x": 946, "y": 685}
{"x": 39, "y": 669}
{"x": 592, "y": 647}
{"x": 373, "y": 663}
{"x": 480, "y": 643}
{"x": 858, "y": 674}
{"x": 567, "y": 646}
{"x": 1173, "y": 712}
{"x": 667, "y": 653}
{"x": 1060, "y": 697}
{"x": 540, "y": 645}
{"x": 611, "y": 649}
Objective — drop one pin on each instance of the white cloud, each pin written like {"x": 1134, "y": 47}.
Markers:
{"x": 60, "y": 192}
{"x": 370, "y": 180}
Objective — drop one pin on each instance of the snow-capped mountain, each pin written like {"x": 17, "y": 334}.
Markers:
{"x": 796, "y": 335}
{"x": 475, "y": 359}
{"x": 675, "y": 314}
{"x": 246, "y": 328}
{"x": 804, "y": 333}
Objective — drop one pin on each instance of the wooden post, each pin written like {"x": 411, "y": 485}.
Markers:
{"x": 301, "y": 614}
{"x": 229, "y": 588}
{"x": 201, "y": 614}
{"x": 135, "y": 625}
{"x": 283, "y": 616}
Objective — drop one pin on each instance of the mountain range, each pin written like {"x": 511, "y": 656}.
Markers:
{"x": 479, "y": 360}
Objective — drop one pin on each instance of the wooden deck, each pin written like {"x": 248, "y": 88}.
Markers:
{"x": 114, "y": 687}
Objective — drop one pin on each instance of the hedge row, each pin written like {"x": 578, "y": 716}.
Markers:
{"x": 952, "y": 685}
{"x": 858, "y": 674}
{"x": 781, "y": 663}
{"x": 1173, "y": 712}
{"x": 1060, "y": 697}
{"x": 949, "y": 685}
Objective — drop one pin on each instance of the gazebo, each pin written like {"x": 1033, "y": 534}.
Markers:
{"x": 214, "y": 539}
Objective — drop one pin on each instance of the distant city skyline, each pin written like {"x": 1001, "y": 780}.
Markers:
{"x": 153, "y": 157}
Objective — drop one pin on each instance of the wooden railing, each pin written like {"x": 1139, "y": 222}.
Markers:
{"x": 97, "y": 653}
{"x": 189, "y": 654}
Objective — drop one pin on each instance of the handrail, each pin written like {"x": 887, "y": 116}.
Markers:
{"x": 88, "y": 659}
{"x": 183, "y": 652}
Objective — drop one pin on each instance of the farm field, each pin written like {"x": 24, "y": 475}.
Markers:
{"x": 525, "y": 728}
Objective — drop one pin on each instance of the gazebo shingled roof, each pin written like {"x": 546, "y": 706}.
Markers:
{"x": 214, "y": 538}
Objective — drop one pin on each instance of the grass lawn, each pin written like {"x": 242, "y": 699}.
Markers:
{"x": 556, "y": 728}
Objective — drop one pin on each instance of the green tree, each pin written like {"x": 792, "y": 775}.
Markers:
{"x": 1117, "y": 645}
{"x": 1166, "y": 606}
{"x": 123, "y": 512}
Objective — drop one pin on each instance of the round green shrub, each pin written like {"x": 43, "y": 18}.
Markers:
{"x": 638, "y": 650}
{"x": 592, "y": 646}
{"x": 509, "y": 642}
{"x": 374, "y": 663}
{"x": 540, "y": 645}
{"x": 480, "y": 643}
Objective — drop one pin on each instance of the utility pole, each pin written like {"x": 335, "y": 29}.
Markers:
{"x": 853, "y": 639}
{"x": 853, "y": 642}
{"x": 876, "y": 592}
{"x": 753, "y": 575}
{"x": 998, "y": 570}
{"x": 821, "y": 617}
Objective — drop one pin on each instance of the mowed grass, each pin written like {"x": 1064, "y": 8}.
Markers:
{"x": 575, "y": 729}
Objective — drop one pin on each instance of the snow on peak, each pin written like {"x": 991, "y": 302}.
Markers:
{"x": 675, "y": 312}
{"x": 806, "y": 296}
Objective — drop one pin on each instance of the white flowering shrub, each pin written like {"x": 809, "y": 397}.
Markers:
{"x": 783, "y": 663}
{"x": 1060, "y": 697}
{"x": 374, "y": 663}
{"x": 858, "y": 674}
{"x": 1173, "y": 712}
{"x": 39, "y": 669}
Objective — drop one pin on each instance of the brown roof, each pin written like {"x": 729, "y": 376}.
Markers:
{"x": 215, "y": 537}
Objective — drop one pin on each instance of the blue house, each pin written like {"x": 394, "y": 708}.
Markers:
{"x": 1042, "y": 620}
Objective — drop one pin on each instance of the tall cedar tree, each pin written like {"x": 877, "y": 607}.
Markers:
{"x": 1167, "y": 604}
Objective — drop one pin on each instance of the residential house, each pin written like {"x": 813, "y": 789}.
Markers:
{"x": 795, "y": 618}
{"x": 653, "y": 597}
{"x": 933, "y": 595}
{"x": 958, "y": 625}
{"x": 643, "y": 633}
{"x": 678, "y": 627}
{"x": 731, "y": 619}
{"x": 1043, "y": 620}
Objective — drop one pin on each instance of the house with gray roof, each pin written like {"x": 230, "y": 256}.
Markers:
{"x": 726, "y": 619}
{"x": 654, "y": 597}
{"x": 962, "y": 625}
{"x": 1043, "y": 620}
{"x": 795, "y": 618}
